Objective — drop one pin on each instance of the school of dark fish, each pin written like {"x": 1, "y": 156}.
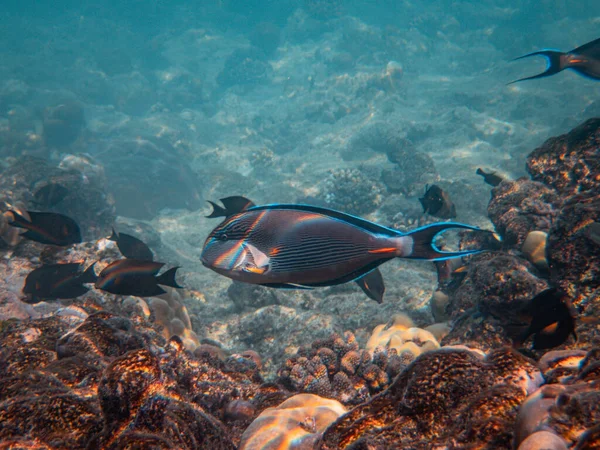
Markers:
{"x": 297, "y": 246}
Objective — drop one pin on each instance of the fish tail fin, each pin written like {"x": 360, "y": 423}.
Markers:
{"x": 89, "y": 276}
{"x": 423, "y": 245}
{"x": 553, "y": 66}
{"x": 114, "y": 236}
{"x": 168, "y": 278}
{"x": 18, "y": 220}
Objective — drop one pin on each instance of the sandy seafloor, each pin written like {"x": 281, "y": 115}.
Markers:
{"x": 153, "y": 77}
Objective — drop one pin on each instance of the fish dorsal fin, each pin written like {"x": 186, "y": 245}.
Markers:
{"x": 233, "y": 205}
{"x": 591, "y": 49}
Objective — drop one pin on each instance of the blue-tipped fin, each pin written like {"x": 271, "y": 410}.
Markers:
{"x": 553, "y": 64}
{"x": 424, "y": 242}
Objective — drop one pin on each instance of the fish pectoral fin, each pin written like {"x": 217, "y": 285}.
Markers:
{"x": 260, "y": 258}
{"x": 372, "y": 285}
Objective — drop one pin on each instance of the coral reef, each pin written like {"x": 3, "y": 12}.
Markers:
{"x": 84, "y": 184}
{"x": 573, "y": 257}
{"x": 296, "y": 423}
{"x": 351, "y": 191}
{"x": 446, "y": 397}
{"x": 518, "y": 207}
{"x": 569, "y": 163}
{"x": 337, "y": 368}
{"x": 246, "y": 67}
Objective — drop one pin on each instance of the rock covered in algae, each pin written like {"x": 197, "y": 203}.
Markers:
{"x": 518, "y": 207}
{"x": 445, "y": 397}
{"x": 569, "y": 163}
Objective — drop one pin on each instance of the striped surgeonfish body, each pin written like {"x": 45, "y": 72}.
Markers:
{"x": 289, "y": 245}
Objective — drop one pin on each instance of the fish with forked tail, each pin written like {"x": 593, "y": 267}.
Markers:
{"x": 135, "y": 277}
{"x": 437, "y": 203}
{"x": 302, "y": 247}
{"x": 490, "y": 177}
{"x": 585, "y": 60}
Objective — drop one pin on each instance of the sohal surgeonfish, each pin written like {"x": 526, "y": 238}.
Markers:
{"x": 551, "y": 320}
{"x": 584, "y": 60}
{"x": 135, "y": 277}
{"x": 301, "y": 246}
{"x": 131, "y": 247}
{"x": 55, "y": 281}
{"x": 490, "y": 177}
{"x": 437, "y": 203}
{"x": 48, "y": 228}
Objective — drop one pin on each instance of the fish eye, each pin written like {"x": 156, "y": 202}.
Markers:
{"x": 222, "y": 236}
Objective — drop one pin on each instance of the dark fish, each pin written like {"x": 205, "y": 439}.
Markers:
{"x": 490, "y": 178}
{"x": 48, "y": 228}
{"x": 58, "y": 281}
{"x": 552, "y": 322}
{"x": 301, "y": 246}
{"x": 135, "y": 277}
{"x": 131, "y": 247}
{"x": 49, "y": 195}
{"x": 448, "y": 269}
{"x": 437, "y": 203}
{"x": 584, "y": 60}
{"x": 231, "y": 205}
{"x": 372, "y": 284}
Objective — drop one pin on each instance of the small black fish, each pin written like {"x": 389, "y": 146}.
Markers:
{"x": 437, "y": 203}
{"x": 552, "y": 322}
{"x": 135, "y": 277}
{"x": 490, "y": 178}
{"x": 49, "y": 195}
{"x": 131, "y": 247}
{"x": 232, "y": 205}
{"x": 372, "y": 284}
{"x": 55, "y": 281}
{"x": 585, "y": 60}
{"x": 48, "y": 228}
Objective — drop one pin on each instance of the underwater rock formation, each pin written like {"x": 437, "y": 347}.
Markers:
{"x": 573, "y": 256}
{"x": 63, "y": 124}
{"x": 445, "y": 397}
{"x": 569, "y": 163}
{"x": 146, "y": 176}
{"x": 246, "y": 67}
{"x": 82, "y": 185}
{"x": 351, "y": 191}
{"x": 518, "y": 207}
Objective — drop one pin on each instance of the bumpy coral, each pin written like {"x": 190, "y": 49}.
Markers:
{"x": 569, "y": 163}
{"x": 574, "y": 258}
{"x": 79, "y": 381}
{"x": 518, "y": 207}
{"x": 337, "y": 368}
{"x": 403, "y": 337}
{"x": 296, "y": 423}
{"x": 351, "y": 191}
{"x": 419, "y": 409}
{"x": 567, "y": 408}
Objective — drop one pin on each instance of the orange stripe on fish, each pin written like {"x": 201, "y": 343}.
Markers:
{"x": 384, "y": 250}
{"x": 259, "y": 270}
{"x": 550, "y": 328}
{"x": 274, "y": 251}
{"x": 308, "y": 216}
